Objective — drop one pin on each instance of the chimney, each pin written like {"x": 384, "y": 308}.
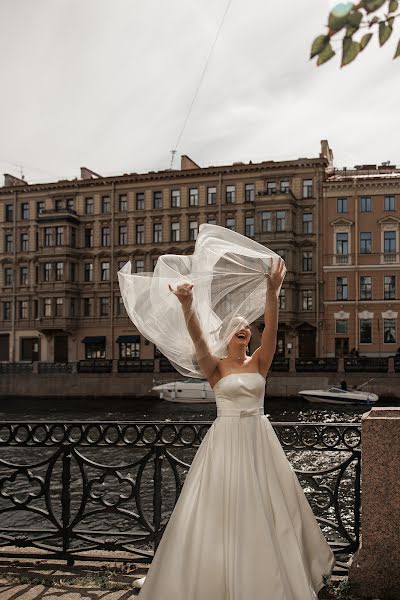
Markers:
{"x": 326, "y": 152}
{"x": 88, "y": 174}
{"x": 12, "y": 181}
{"x": 187, "y": 163}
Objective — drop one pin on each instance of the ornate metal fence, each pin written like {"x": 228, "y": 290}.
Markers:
{"x": 68, "y": 490}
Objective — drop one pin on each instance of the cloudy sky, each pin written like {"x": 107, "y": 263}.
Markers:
{"x": 107, "y": 84}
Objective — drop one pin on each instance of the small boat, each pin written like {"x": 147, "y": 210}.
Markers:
{"x": 337, "y": 395}
{"x": 188, "y": 391}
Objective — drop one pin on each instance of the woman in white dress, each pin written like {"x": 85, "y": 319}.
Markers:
{"x": 242, "y": 528}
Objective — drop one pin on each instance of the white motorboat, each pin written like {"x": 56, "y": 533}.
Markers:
{"x": 189, "y": 391}
{"x": 337, "y": 395}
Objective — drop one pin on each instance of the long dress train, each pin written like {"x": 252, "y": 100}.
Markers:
{"x": 242, "y": 528}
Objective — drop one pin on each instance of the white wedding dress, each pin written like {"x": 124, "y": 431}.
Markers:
{"x": 242, "y": 528}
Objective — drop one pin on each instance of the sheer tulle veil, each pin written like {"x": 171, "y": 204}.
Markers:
{"x": 228, "y": 273}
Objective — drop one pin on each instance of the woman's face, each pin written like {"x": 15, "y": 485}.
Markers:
{"x": 241, "y": 336}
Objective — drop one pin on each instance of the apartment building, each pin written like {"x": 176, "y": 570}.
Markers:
{"x": 361, "y": 216}
{"x": 62, "y": 243}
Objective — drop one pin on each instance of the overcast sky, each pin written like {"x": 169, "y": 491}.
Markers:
{"x": 107, "y": 84}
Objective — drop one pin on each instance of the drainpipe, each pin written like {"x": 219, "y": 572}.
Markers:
{"x": 14, "y": 272}
{"x": 320, "y": 196}
{"x": 112, "y": 268}
{"x": 219, "y": 196}
{"x": 356, "y": 258}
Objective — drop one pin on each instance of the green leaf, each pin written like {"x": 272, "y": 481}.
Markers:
{"x": 385, "y": 31}
{"x": 326, "y": 54}
{"x": 350, "y": 50}
{"x": 393, "y": 5}
{"x": 374, "y": 21}
{"x": 372, "y": 5}
{"x": 355, "y": 19}
{"x": 338, "y": 17}
{"x": 397, "y": 53}
{"x": 319, "y": 44}
{"x": 365, "y": 40}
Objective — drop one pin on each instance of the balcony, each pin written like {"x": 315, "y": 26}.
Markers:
{"x": 51, "y": 324}
{"x": 63, "y": 214}
{"x": 341, "y": 259}
{"x": 390, "y": 257}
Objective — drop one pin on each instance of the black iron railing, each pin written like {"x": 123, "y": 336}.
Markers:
{"x": 68, "y": 490}
{"x": 317, "y": 364}
{"x": 366, "y": 364}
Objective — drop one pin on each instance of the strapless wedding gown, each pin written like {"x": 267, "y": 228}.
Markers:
{"x": 242, "y": 528}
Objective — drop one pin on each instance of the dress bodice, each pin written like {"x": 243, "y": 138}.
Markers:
{"x": 240, "y": 395}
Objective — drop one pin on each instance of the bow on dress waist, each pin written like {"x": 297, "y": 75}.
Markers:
{"x": 249, "y": 412}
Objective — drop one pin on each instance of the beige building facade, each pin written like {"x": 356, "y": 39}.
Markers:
{"x": 62, "y": 243}
{"x": 361, "y": 261}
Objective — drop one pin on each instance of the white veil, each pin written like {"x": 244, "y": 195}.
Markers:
{"x": 227, "y": 270}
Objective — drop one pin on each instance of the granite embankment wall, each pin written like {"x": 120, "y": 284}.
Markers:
{"x": 139, "y": 384}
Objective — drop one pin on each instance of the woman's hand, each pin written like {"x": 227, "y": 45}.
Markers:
{"x": 184, "y": 293}
{"x": 275, "y": 278}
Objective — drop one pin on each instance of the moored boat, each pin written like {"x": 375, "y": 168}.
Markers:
{"x": 189, "y": 391}
{"x": 336, "y": 395}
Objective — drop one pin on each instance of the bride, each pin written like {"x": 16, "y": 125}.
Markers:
{"x": 242, "y": 528}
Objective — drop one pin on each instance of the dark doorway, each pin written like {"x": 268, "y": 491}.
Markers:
{"x": 61, "y": 348}
{"x": 341, "y": 347}
{"x": 30, "y": 349}
{"x": 306, "y": 341}
{"x": 4, "y": 347}
{"x": 280, "y": 344}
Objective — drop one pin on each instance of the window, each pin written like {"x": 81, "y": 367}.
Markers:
{"x": 389, "y": 331}
{"x": 342, "y": 243}
{"x": 59, "y": 307}
{"x": 365, "y": 204}
{"x": 389, "y": 287}
{"x": 59, "y": 271}
{"x": 105, "y": 271}
{"x": 39, "y": 207}
{"x": 140, "y": 233}
{"x": 307, "y": 223}
{"x": 47, "y": 304}
{"x": 119, "y": 306}
{"x": 307, "y": 188}
{"x": 24, "y": 242}
{"x": 307, "y": 260}
{"x": 89, "y": 206}
{"x": 9, "y": 213}
{"x": 123, "y": 202}
{"x": 59, "y": 236}
{"x": 129, "y": 349}
{"x": 88, "y": 237}
{"x": 25, "y": 211}
{"x": 105, "y": 204}
{"x": 122, "y": 235}
{"x": 281, "y": 253}
{"x": 140, "y": 201}
{"x": 47, "y": 271}
{"x": 72, "y": 307}
{"x": 157, "y": 199}
{"x": 175, "y": 232}
{"x": 389, "y": 241}
{"x": 193, "y": 230}
{"x": 59, "y": 204}
{"x": 249, "y": 226}
{"x": 73, "y": 271}
{"x": 285, "y": 186}
{"x": 341, "y": 205}
{"x": 8, "y": 242}
{"x": 70, "y": 204}
{"x": 307, "y": 303}
{"x": 365, "y": 331}
{"x": 230, "y": 223}
{"x": 211, "y": 195}
{"x": 193, "y": 197}
{"x": 97, "y": 350}
{"x": 281, "y": 220}
{"x": 342, "y": 289}
{"x": 249, "y": 192}
{"x": 23, "y": 309}
{"x": 282, "y": 299}
{"x": 157, "y": 232}
{"x": 105, "y": 235}
{"x": 104, "y": 306}
{"x": 365, "y": 287}
{"x": 7, "y": 310}
{"x": 8, "y": 276}
{"x": 88, "y": 272}
{"x": 155, "y": 262}
{"x": 342, "y": 326}
{"x": 23, "y": 275}
{"x": 175, "y": 198}
{"x": 87, "y": 307}
{"x": 271, "y": 187}
{"x": 139, "y": 265}
{"x": 365, "y": 242}
{"x": 389, "y": 203}
{"x": 212, "y": 221}
{"x": 266, "y": 221}
{"x": 230, "y": 194}
{"x": 73, "y": 237}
